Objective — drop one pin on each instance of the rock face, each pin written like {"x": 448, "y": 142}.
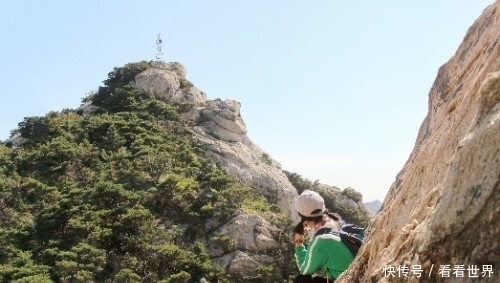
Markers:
{"x": 245, "y": 242}
{"x": 222, "y": 131}
{"x": 373, "y": 206}
{"x": 167, "y": 82}
{"x": 241, "y": 245}
{"x": 222, "y": 120}
{"x": 443, "y": 209}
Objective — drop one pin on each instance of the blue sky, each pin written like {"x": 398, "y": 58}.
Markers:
{"x": 333, "y": 90}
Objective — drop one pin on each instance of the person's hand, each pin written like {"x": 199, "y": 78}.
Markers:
{"x": 298, "y": 239}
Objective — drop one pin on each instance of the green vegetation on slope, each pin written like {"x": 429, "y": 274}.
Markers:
{"x": 120, "y": 195}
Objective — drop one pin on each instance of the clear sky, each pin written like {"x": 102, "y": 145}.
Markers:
{"x": 333, "y": 90}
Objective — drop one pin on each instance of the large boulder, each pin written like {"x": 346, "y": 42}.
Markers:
{"x": 222, "y": 120}
{"x": 167, "y": 82}
{"x": 247, "y": 233}
{"x": 222, "y": 131}
{"x": 244, "y": 244}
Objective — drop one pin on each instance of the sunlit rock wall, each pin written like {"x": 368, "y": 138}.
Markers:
{"x": 443, "y": 211}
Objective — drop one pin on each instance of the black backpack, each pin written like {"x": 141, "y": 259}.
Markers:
{"x": 351, "y": 235}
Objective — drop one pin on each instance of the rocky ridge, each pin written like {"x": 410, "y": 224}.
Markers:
{"x": 443, "y": 210}
{"x": 220, "y": 129}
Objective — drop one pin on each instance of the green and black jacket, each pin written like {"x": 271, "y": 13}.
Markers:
{"x": 326, "y": 254}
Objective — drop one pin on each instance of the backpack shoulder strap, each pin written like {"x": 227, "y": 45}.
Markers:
{"x": 327, "y": 230}
{"x": 353, "y": 229}
{"x": 352, "y": 240}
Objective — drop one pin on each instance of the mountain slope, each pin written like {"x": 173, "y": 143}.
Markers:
{"x": 373, "y": 206}
{"x": 146, "y": 182}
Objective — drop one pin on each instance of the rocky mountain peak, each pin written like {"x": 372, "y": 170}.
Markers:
{"x": 220, "y": 128}
{"x": 242, "y": 244}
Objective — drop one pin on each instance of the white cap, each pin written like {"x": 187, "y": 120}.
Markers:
{"x": 308, "y": 202}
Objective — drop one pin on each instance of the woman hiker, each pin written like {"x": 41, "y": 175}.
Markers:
{"x": 325, "y": 257}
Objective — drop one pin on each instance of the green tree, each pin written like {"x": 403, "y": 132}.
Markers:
{"x": 22, "y": 268}
{"x": 82, "y": 263}
{"x": 127, "y": 276}
{"x": 352, "y": 194}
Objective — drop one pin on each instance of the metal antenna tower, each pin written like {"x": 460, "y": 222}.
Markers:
{"x": 159, "y": 53}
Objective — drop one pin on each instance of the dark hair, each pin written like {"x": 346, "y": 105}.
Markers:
{"x": 333, "y": 215}
{"x": 299, "y": 228}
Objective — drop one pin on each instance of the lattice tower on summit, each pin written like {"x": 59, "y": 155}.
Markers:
{"x": 159, "y": 52}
